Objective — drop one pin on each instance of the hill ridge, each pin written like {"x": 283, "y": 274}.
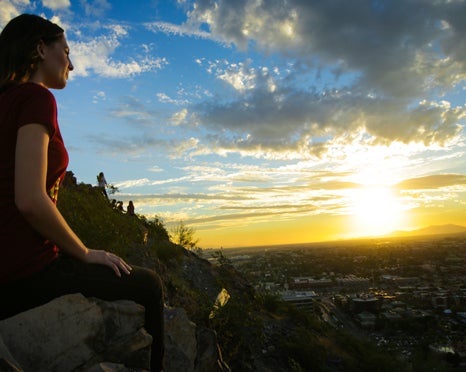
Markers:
{"x": 445, "y": 229}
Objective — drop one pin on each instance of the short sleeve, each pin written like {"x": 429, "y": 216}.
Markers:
{"x": 38, "y": 107}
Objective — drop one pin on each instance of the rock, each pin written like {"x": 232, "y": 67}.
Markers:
{"x": 209, "y": 357}
{"x": 180, "y": 341}
{"x": 188, "y": 347}
{"x": 7, "y": 362}
{"x": 75, "y": 333}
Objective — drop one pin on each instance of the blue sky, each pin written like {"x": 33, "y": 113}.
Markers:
{"x": 268, "y": 122}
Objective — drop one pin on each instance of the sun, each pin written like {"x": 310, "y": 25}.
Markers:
{"x": 376, "y": 210}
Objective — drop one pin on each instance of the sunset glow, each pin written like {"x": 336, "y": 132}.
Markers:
{"x": 376, "y": 211}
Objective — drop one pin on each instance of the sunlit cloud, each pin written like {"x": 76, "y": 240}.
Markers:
{"x": 164, "y": 98}
{"x": 240, "y": 76}
{"x": 179, "y": 30}
{"x": 379, "y": 99}
{"x": 132, "y": 183}
{"x": 403, "y": 52}
{"x": 434, "y": 182}
{"x": 11, "y": 9}
{"x": 95, "y": 56}
{"x": 96, "y": 7}
{"x": 56, "y": 4}
{"x": 179, "y": 117}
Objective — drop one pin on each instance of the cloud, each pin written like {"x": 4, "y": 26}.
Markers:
{"x": 437, "y": 181}
{"x": 132, "y": 183}
{"x": 179, "y": 116}
{"x": 236, "y": 200}
{"x": 95, "y": 8}
{"x": 400, "y": 47}
{"x": 178, "y": 30}
{"x": 56, "y": 4}
{"x": 99, "y": 96}
{"x": 392, "y": 63}
{"x": 95, "y": 56}
{"x": 164, "y": 98}
{"x": 247, "y": 193}
{"x": 132, "y": 147}
{"x": 11, "y": 9}
{"x": 288, "y": 119}
{"x": 240, "y": 76}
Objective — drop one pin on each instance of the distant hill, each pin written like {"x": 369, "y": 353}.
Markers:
{"x": 431, "y": 230}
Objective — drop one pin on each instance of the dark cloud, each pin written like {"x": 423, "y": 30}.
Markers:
{"x": 394, "y": 44}
{"x": 307, "y": 120}
{"x": 389, "y": 55}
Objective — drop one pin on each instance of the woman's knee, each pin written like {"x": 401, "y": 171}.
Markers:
{"x": 148, "y": 283}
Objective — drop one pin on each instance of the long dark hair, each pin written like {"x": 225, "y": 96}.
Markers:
{"x": 18, "y": 47}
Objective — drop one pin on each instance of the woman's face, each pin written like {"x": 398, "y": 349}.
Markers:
{"x": 55, "y": 66}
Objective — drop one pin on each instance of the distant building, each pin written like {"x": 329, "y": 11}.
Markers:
{"x": 358, "y": 305}
{"x": 399, "y": 281}
{"x": 354, "y": 282}
{"x": 390, "y": 316}
{"x": 301, "y": 299}
{"x": 366, "y": 319}
{"x": 310, "y": 284}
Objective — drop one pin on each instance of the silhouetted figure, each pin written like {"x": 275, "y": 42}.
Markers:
{"x": 130, "y": 208}
{"x": 119, "y": 206}
{"x": 70, "y": 179}
{"x": 102, "y": 183}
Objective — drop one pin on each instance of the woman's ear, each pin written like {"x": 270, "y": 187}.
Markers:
{"x": 41, "y": 49}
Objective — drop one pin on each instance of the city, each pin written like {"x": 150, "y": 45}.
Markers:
{"x": 407, "y": 295}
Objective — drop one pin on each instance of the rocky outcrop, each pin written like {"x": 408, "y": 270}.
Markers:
{"x": 75, "y": 333}
{"x": 189, "y": 347}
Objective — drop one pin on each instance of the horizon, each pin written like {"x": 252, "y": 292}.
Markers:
{"x": 266, "y": 123}
{"x": 405, "y": 234}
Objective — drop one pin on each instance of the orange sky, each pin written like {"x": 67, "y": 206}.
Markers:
{"x": 412, "y": 204}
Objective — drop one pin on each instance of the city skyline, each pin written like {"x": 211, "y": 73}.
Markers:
{"x": 268, "y": 122}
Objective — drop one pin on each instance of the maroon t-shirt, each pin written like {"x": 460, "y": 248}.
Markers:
{"x": 23, "y": 251}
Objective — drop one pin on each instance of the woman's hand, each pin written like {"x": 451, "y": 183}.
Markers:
{"x": 109, "y": 259}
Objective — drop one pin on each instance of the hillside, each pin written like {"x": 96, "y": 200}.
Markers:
{"x": 255, "y": 332}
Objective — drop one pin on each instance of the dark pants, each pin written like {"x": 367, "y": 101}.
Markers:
{"x": 66, "y": 275}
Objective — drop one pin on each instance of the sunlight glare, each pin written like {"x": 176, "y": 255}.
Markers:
{"x": 376, "y": 211}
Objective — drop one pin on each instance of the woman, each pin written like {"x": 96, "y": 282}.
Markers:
{"x": 130, "y": 208}
{"x": 41, "y": 257}
{"x": 102, "y": 183}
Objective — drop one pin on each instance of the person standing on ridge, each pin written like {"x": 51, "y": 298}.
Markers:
{"x": 102, "y": 183}
{"x": 41, "y": 257}
{"x": 130, "y": 208}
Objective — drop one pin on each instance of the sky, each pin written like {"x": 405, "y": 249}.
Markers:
{"x": 267, "y": 122}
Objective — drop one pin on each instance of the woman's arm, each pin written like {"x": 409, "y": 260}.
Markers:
{"x": 38, "y": 209}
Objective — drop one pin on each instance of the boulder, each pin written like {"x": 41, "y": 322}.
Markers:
{"x": 180, "y": 339}
{"x": 208, "y": 356}
{"x": 75, "y": 333}
{"x": 189, "y": 347}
